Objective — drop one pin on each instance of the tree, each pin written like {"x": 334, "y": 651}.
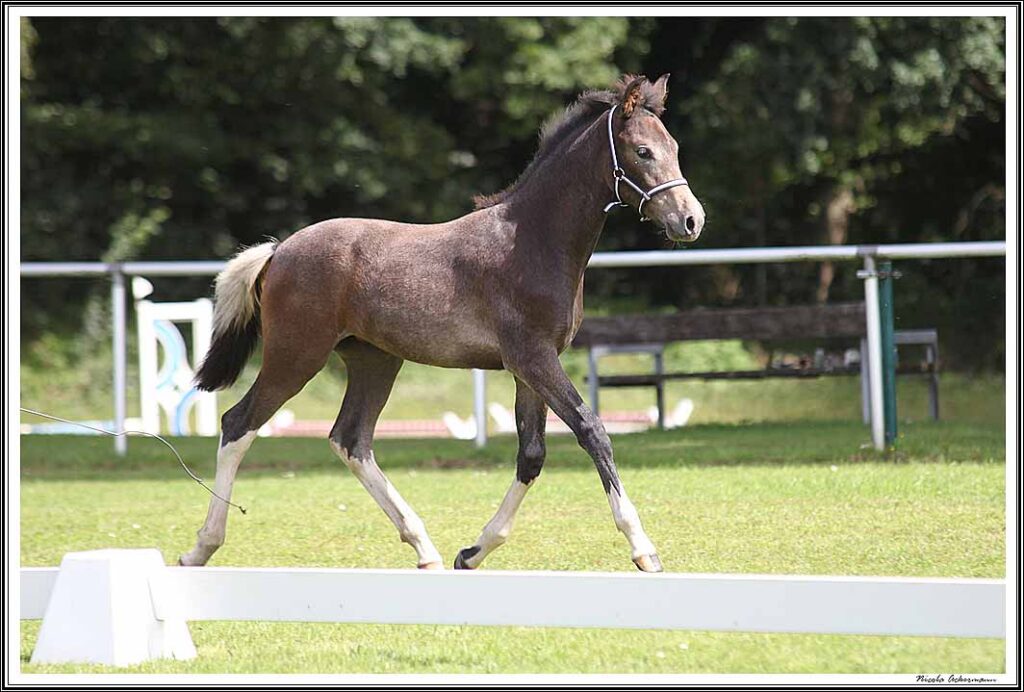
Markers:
{"x": 181, "y": 138}
{"x": 832, "y": 106}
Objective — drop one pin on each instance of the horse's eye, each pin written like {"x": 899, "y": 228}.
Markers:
{"x": 644, "y": 153}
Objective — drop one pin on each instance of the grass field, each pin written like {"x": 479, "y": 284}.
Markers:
{"x": 781, "y": 498}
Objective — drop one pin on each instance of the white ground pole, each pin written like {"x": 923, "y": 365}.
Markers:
{"x": 898, "y": 606}
{"x": 653, "y": 258}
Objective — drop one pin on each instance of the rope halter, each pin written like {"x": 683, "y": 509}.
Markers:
{"x": 620, "y": 177}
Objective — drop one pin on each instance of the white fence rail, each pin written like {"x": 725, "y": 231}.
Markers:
{"x": 723, "y": 602}
{"x": 867, "y": 254}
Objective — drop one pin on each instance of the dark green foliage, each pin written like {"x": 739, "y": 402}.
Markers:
{"x": 864, "y": 130}
{"x": 153, "y": 138}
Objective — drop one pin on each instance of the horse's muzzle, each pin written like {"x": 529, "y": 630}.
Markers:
{"x": 683, "y": 228}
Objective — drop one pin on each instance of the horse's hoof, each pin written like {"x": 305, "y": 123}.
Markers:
{"x": 648, "y": 563}
{"x": 430, "y": 565}
{"x": 186, "y": 561}
{"x": 460, "y": 559}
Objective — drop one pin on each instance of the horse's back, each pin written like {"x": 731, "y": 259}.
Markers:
{"x": 418, "y": 291}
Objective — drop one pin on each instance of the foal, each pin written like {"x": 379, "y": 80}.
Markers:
{"x": 499, "y": 288}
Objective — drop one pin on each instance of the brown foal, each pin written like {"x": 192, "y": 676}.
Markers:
{"x": 499, "y": 288}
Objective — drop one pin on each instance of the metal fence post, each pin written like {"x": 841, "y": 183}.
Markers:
{"x": 886, "y": 311}
{"x": 117, "y": 299}
{"x": 592, "y": 384}
{"x": 874, "y": 337}
{"x": 480, "y": 406}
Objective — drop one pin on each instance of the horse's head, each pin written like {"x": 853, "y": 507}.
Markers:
{"x": 648, "y": 175}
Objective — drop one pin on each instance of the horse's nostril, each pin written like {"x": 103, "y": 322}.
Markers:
{"x": 691, "y": 223}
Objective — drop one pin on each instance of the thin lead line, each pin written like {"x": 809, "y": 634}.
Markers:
{"x": 169, "y": 446}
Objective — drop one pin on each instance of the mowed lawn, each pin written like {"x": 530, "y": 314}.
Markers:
{"x": 799, "y": 498}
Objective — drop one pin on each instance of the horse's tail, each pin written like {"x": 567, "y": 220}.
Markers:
{"x": 236, "y": 318}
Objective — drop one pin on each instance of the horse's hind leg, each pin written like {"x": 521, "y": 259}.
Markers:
{"x": 286, "y": 369}
{"x": 531, "y": 414}
{"x": 371, "y": 374}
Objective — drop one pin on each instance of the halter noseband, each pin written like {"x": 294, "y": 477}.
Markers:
{"x": 620, "y": 176}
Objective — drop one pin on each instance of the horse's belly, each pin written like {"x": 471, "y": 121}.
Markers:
{"x": 443, "y": 352}
{"x": 449, "y": 341}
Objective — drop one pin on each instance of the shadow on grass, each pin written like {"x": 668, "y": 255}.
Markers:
{"x": 86, "y": 457}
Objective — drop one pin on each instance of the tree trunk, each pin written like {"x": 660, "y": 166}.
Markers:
{"x": 838, "y": 208}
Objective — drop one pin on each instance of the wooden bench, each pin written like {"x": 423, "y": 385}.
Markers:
{"x": 832, "y": 322}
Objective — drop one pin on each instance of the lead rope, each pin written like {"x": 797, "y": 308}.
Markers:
{"x": 169, "y": 446}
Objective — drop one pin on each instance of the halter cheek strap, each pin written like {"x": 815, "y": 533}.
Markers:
{"x": 620, "y": 177}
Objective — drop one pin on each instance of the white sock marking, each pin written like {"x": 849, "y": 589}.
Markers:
{"x": 627, "y": 520}
{"x": 497, "y": 530}
{"x": 211, "y": 536}
{"x": 410, "y": 527}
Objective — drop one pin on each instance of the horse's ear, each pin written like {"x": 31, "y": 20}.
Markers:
{"x": 661, "y": 88}
{"x": 631, "y": 96}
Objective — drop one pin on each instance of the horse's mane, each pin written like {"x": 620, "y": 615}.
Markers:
{"x": 560, "y": 126}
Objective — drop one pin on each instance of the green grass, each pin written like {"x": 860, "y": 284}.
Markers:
{"x": 783, "y": 498}
{"x": 321, "y": 648}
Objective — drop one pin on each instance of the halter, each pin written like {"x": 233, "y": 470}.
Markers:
{"x": 620, "y": 176}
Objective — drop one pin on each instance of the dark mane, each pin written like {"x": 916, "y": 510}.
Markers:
{"x": 558, "y": 128}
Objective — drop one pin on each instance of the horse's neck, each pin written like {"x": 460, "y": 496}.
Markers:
{"x": 559, "y": 211}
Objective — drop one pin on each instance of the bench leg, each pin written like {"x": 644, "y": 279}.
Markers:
{"x": 931, "y": 357}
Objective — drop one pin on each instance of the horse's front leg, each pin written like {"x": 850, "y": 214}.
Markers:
{"x": 542, "y": 371}
{"x": 531, "y": 413}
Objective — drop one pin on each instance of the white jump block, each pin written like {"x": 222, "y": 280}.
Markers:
{"x": 105, "y": 608}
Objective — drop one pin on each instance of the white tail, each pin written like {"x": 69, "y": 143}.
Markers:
{"x": 235, "y": 288}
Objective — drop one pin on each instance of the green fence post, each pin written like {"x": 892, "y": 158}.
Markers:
{"x": 886, "y": 313}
